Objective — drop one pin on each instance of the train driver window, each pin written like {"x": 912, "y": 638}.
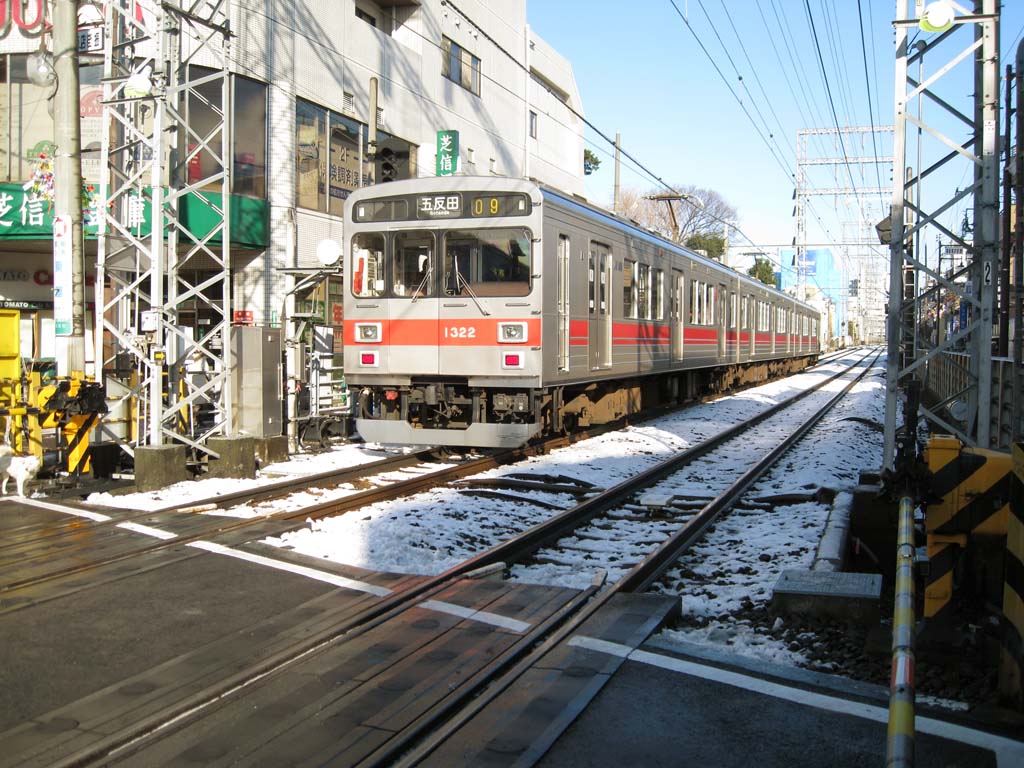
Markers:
{"x": 413, "y": 269}
{"x": 487, "y": 262}
{"x": 368, "y": 264}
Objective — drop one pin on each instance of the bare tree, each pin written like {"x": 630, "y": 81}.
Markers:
{"x": 692, "y": 217}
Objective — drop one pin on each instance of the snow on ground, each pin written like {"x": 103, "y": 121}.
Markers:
{"x": 433, "y": 531}
{"x": 298, "y": 465}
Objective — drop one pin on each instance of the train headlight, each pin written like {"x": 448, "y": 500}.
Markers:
{"x": 368, "y": 333}
{"x": 511, "y": 333}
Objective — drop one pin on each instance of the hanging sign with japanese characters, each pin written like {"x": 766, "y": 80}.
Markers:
{"x": 62, "y": 299}
{"x": 447, "y": 152}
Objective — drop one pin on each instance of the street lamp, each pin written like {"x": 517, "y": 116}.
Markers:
{"x": 39, "y": 66}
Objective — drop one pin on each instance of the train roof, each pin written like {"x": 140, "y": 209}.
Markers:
{"x": 437, "y": 184}
{"x": 571, "y": 201}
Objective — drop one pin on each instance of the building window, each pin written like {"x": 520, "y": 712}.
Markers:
{"x": 310, "y": 156}
{"x": 26, "y": 129}
{"x": 460, "y": 66}
{"x": 361, "y": 14}
{"x": 374, "y": 15}
{"x": 250, "y": 139}
{"x": 533, "y": 124}
{"x": 249, "y": 148}
{"x": 331, "y": 158}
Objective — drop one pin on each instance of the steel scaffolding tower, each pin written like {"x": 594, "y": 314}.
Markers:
{"x": 854, "y": 196}
{"x": 163, "y": 289}
{"x": 915, "y": 208}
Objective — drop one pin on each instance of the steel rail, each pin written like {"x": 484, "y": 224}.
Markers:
{"x": 399, "y": 752}
{"x": 560, "y": 525}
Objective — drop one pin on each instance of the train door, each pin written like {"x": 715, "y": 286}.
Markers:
{"x": 676, "y": 314}
{"x": 564, "y": 259}
{"x": 721, "y": 299}
{"x": 414, "y": 320}
{"x": 600, "y": 318}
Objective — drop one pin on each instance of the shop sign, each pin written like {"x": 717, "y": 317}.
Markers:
{"x": 90, "y": 39}
{"x": 337, "y": 313}
{"x": 24, "y": 215}
{"x": 62, "y": 299}
{"x": 26, "y": 15}
{"x": 447, "y": 152}
{"x": 25, "y": 305}
{"x": 244, "y": 317}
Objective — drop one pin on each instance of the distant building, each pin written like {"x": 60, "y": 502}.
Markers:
{"x": 818, "y": 278}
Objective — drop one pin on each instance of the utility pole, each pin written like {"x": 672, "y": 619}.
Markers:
{"x": 68, "y": 267}
{"x": 617, "y": 202}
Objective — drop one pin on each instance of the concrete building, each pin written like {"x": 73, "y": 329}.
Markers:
{"x": 302, "y": 76}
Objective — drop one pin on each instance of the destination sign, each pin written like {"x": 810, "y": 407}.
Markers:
{"x": 443, "y": 205}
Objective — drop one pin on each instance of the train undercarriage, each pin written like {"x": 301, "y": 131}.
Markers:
{"x": 448, "y": 411}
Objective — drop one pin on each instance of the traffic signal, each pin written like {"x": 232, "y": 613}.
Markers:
{"x": 388, "y": 165}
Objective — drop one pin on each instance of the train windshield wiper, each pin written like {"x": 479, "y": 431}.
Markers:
{"x": 461, "y": 282}
{"x": 419, "y": 288}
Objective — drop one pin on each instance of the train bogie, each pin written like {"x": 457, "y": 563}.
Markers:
{"x": 480, "y": 312}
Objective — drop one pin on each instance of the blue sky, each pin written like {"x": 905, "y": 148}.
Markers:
{"x": 641, "y": 71}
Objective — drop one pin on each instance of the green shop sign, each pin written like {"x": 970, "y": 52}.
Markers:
{"x": 447, "y": 153}
{"x": 24, "y": 216}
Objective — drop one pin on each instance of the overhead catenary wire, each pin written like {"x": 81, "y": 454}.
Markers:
{"x": 871, "y": 111}
{"x": 639, "y": 166}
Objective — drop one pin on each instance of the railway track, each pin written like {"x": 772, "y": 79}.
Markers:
{"x": 43, "y": 552}
{"x": 365, "y": 620}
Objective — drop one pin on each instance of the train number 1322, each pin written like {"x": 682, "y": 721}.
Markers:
{"x": 459, "y": 332}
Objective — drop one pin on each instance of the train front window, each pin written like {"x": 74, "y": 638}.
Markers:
{"x": 368, "y": 265}
{"x": 487, "y": 262}
{"x": 413, "y": 268}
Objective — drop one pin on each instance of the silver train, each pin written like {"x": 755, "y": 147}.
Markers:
{"x": 485, "y": 311}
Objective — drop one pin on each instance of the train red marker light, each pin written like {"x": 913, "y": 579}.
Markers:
{"x": 511, "y": 361}
{"x": 368, "y": 358}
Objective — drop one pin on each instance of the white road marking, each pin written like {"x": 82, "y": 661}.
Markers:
{"x": 484, "y": 617}
{"x": 301, "y": 570}
{"x": 95, "y": 516}
{"x": 146, "y": 530}
{"x": 1007, "y": 751}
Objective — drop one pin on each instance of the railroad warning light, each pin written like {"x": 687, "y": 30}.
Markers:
{"x": 391, "y": 394}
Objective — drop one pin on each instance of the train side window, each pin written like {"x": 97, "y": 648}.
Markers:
{"x": 657, "y": 294}
{"x": 628, "y": 288}
{"x": 643, "y": 277}
{"x": 733, "y": 304}
{"x": 412, "y": 272}
{"x": 694, "y": 302}
{"x": 368, "y": 265}
{"x": 745, "y": 312}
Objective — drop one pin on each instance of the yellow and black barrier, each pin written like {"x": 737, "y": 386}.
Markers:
{"x": 974, "y": 487}
{"x": 1012, "y": 651}
{"x": 71, "y": 406}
